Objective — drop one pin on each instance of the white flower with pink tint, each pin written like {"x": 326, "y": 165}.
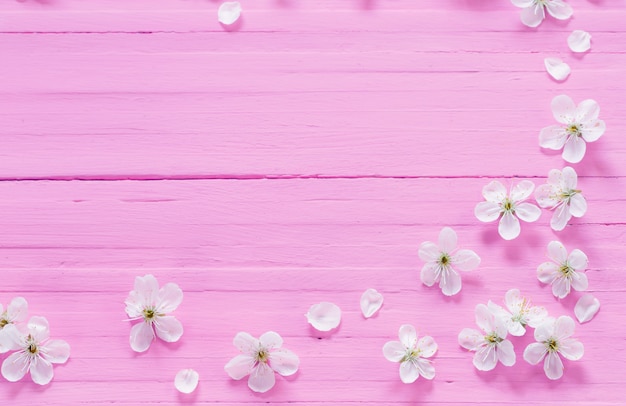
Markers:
{"x": 578, "y": 126}
{"x": 561, "y": 194}
{"x": 534, "y": 11}
{"x": 564, "y": 271}
{"x": 411, "y": 353}
{"x": 443, "y": 260}
{"x": 519, "y": 312}
{"x": 260, "y": 359}
{"x": 491, "y": 344}
{"x": 15, "y": 312}
{"x": 508, "y": 207}
{"x": 152, "y": 306}
{"x": 554, "y": 339}
{"x": 36, "y": 353}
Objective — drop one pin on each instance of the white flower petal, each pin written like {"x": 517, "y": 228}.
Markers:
{"x": 141, "y": 336}
{"x": 284, "y": 362}
{"x": 425, "y": 368}
{"x": 429, "y": 252}
{"x": 586, "y": 308}
{"x": 15, "y": 367}
{"x": 447, "y": 240}
{"x": 553, "y": 137}
{"x": 427, "y": 346}
{"x": 408, "y": 336}
{"x": 147, "y": 288}
{"x": 545, "y": 330}
{"x": 579, "y": 281}
{"x": 56, "y": 351}
{"x": 509, "y": 227}
{"x": 465, "y": 260}
{"x": 523, "y": 3}
{"x": 17, "y": 310}
{"x": 522, "y": 190}
{"x": 471, "y": 339}
{"x": 450, "y": 282}
{"x": 579, "y": 41}
{"x": 587, "y": 110}
{"x": 527, "y": 212}
{"x": 563, "y": 109}
{"x": 560, "y": 217}
{"x": 486, "y": 358}
{"x": 561, "y": 287}
{"x": 570, "y": 178}
{"x": 186, "y": 380}
{"x": 261, "y": 378}
{"x": 557, "y": 252}
{"x": 516, "y": 329}
{"x": 484, "y": 318}
{"x": 429, "y": 274}
{"x": 394, "y": 351}
{"x": 547, "y": 272}
{"x": 487, "y": 211}
{"x": 270, "y": 340}
{"x": 41, "y": 371}
{"x": 506, "y": 353}
{"x": 577, "y": 260}
{"x": 577, "y": 205}
{"x": 239, "y": 366}
{"x": 324, "y": 316}
{"x": 245, "y": 343}
{"x": 371, "y": 302}
{"x": 553, "y": 366}
{"x": 559, "y": 9}
{"x": 536, "y": 316}
{"x": 39, "y": 328}
{"x": 408, "y": 372}
{"x": 546, "y": 196}
{"x": 574, "y": 150}
{"x": 534, "y": 353}
{"x": 593, "y": 129}
{"x": 494, "y": 192}
{"x": 558, "y": 69}
{"x": 9, "y": 338}
{"x": 532, "y": 16}
{"x": 168, "y": 298}
{"x": 564, "y": 327}
{"x": 168, "y": 328}
{"x": 229, "y": 12}
{"x": 513, "y": 300}
{"x": 571, "y": 349}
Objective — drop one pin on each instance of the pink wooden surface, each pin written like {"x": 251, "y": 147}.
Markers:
{"x": 302, "y": 158}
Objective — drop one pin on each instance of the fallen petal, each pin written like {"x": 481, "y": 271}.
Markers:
{"x": 186, "y": 380}
{"x": 229, "y": 12}
{"x": 324, "y": 316}
{"x": 579, "y": 41}
{"x": 586, "y": 307}
{"x": 371, "y": 301}
{"x": 558, "y": 69}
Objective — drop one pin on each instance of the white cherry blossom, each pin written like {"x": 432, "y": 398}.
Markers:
{"x": 411, "y": 353}
{"x": 534, "y": 11}
{"x": 562, "y": 195}
{"x": 491, "y": 344}
{"x": 564, "y": 271}
{"x": 443, "y": 260}
{"x": 37, "y": 352}
{"x": 577, "y": 126}
{"x": 260, "y": 359}
{"x": 152, "y": 306}
{"x": 15, "y": 312}
{"x": 508, "y": 207}
{"x": 554, "y": 339}
{"x": 519, "y": 312}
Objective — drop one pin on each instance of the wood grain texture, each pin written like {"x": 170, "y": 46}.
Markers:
{"x": 300, "y": 158}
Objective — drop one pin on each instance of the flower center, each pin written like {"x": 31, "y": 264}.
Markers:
{"x": 148, "y": 314}
{"x": 411, "y": 354}
{"x": 508, "y": 206}
{"x": 574, "y": 130}
{"x": 567, "y": 194}
{"x": 493, "y": 338}
{"x": 32, "y": 348}
{"x": 444, "y": 260}
{"x": 262, "y": 355}
{"x": 552, "y": 345}
{"x": 3, "y": 322}
{"x": 566, "y": 270}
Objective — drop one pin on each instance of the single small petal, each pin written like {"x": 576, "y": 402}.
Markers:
{"x": 429, "y": 274}
{"x": 545, "y": 330}
{"x": 169, "y": 297}
{"x": 371, "y": 301}
{"x": 571, "y": 349}
{"x": 579, "y": 281}
{"x": 425, "y": 368}
{"x": 534, "y": 353}
{"x": 450, "y": 282}
{"x": 577, "y": 205}
{"x": 394, "y": 351}
{"x": 471, "y": 339}
{"x": 545, "y": 196}
{"x": 586, "y": 307}
{"x": 284, "y": 362}
{"x": 9, "y": 338}
{"x": 563, "y": 109}
{"x": 532, "y": 16}
{"x": 408, "y": 336}
{"x": 536, "y": 316}
{"x": 239, "y": 366}
{"x": 245, "y": 343}
{"x": 486, "y": 358}
{"x": 513, "y": 299}
{"x": 261, "y": 378}
{"x": 506, "y": 353}
{"x": 559, "y": 9}
{"x": 570, "y": 178}
{"x": 558, "y": 69}
{"x": 579, "y": 41}
{"x": 553, "y": 137}
{"x": 564, "y": 327}
{"x": 561, "y": 287}
{"x": 229, "y": 12}
{"x": 523, "y": 3}
{"x": 484, "y": 318}
{"x": 465, "y": 260}
{"x": 17, "y": 310}
{"x": 560, "y": 217}
{"x": 39, "y": 328}
{"x": 427, "y": 346}
{"x": 487, "y": 211}
{"x": 186, "y": 380}
{"x": 587, "y": 110}
{"x": 147, "y": 287}
{"x": 522, "y": 190}
{"x": 408, "y": 372}
{"x": 270, "y": 340}
{"x": 509, "y": 227}
{"x": 141, "y": 336}
{"x": 547, "y": 272}
{"x": 577, "y": 260}
{"x": 56, "y": 351}
{"x": 15, "y": 367}
{"x": 324, "y": 316}
{"x": 168, "y": 328}
{"x": 593, "y": 129}
{"x": 494, "y": 192}
{"x": 574, "y": 150}
{"x": 447, "y": 240}
{"x": 41, "y": 371}
{"x": 553, "y": 366}
{"x": 527, "y": 212}
{"x": 557, "y": 252}
{"x": 429, "y": 252}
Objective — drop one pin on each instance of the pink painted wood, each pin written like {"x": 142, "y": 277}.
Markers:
{"x": 300, "y": 158}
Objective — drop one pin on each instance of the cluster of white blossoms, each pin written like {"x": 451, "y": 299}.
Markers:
{"x": 33, "y": 350}
{"x": 553, "y": 336}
